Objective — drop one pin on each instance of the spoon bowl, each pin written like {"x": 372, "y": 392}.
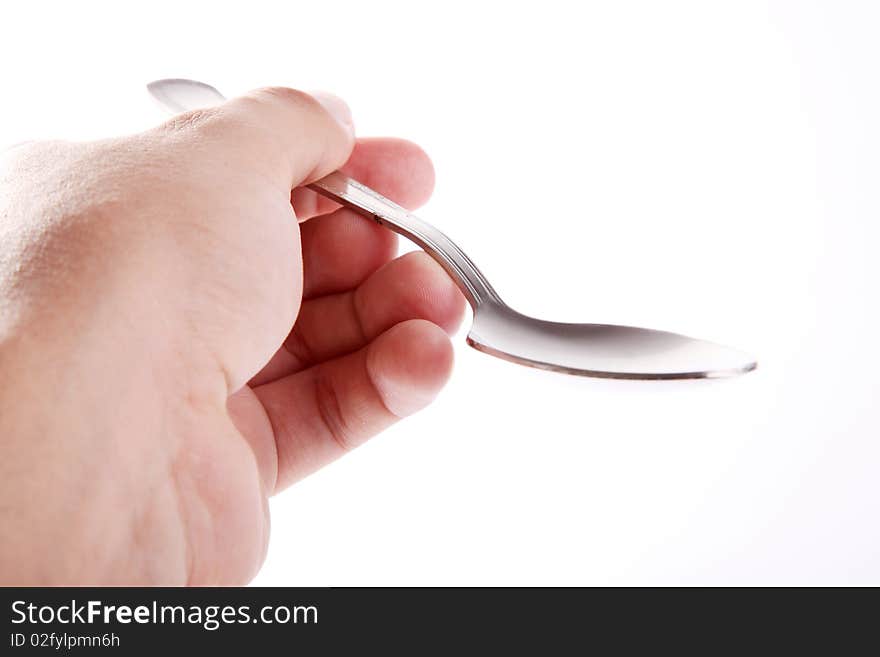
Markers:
{"x": 600, "y": 350}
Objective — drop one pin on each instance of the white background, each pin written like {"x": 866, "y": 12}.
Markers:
{"x": 707, "y": 167}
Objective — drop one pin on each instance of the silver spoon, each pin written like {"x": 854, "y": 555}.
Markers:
{"x": 601, "y": 350}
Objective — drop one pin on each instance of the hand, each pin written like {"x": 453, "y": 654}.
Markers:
{"x": 175, "y": 347}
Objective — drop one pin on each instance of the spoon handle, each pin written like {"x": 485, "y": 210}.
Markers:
{"x": 385, "y": 212}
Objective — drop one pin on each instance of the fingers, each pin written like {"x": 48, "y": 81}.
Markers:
{"x": 320, "y": 413}
{"x": 287, "y": 134}
{"x": 411, "y": 287}
{"x": 395, "y": 168}
{"x": 340, "y": 250}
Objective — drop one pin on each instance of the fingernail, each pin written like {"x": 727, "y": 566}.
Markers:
{"x": 337, "y": 107}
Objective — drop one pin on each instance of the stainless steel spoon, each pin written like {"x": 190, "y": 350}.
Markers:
{"x": 600, "y": 350}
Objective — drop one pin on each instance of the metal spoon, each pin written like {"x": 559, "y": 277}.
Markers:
{"x": 600, "y": 350}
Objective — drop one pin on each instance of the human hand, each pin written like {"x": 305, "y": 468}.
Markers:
{"x": 175, "y": 347}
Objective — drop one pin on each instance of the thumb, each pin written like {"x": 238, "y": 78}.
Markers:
{"x": 288, "y": 134}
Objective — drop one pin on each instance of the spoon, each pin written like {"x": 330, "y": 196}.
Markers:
{"x": 600, "y": 350}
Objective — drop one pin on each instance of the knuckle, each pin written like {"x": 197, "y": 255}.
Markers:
{"x": 193, "y": 119}
{"x": 297, "y": 346}
{"x": 331, "y": 414}
{"x": 285, "y": 96}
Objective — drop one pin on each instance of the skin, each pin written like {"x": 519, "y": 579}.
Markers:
{"x": 175, "y": 347}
